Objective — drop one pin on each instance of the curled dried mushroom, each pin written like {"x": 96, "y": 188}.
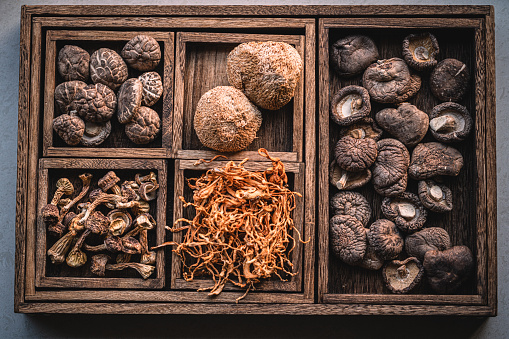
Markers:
{"x": 145, "y": 126}
{"x": 95, "y": 133}
{"x": 108, "y": 68}
{"x": 432, "y": 159}
{"x": 450, "y": 122}
{"x": 390, "y": 168}
{"x": 344, "y": 180}
{"x": 142, "y": 53}
{"x": 364, "y": 128}
{"x": 355, "y": 155}
{"x": 129, "y": 100}
{"x": 95, "y": 103}
{"x": 65, "y": 93}
{"x": 385, "y": 238}
{"x": 449, "y": 80}
{"x": 420, "y": 51}
{"x": 73, "y": 63}
{"x": 353, "y": 204}
{"x": 434, "y": 196}
{"x": 406, "y": 211}
{"x": 353, "y": 54}
{"x": 152, "y": 88}
{"x": 403, "y": 276}
{"x": 69, "y": 127}
{"x": 349, "y": 105}
{"x": 428, "y": 239}
{"x": 347, "y": 238}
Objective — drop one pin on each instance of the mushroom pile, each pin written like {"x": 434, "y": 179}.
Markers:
{"x": 86, "y": 109}
{"x": 402, "y": 243}
{"x": 122, "y": 230}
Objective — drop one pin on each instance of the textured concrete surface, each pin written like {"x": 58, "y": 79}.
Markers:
{"x": 25, "y": 326}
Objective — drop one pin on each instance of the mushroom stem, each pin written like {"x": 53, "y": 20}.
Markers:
{"x": 436, "y": 192}
{"x": 402, "y": 272}
{"x": 59, "y": 249}
{"x": 86, "y": 179}
{"x": 102, "y": 198}
{"x": 444, "y": 123}
{"x": 144, "y": 270}
{"x": 358, "y": 133}
{"x": 343, "y": 180}
{"x": 406, "y": 210}
{"x": 58, "y": 194}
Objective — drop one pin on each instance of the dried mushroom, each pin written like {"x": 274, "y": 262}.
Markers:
{"x": 108, "y": 68}
{"x": 73, "y": 63}
{"x": 69, "y": 127}
{"x": 449, "y": 80}
{"x": 129, "y": 100}
{"x": 95, "y": 103}
{"x": 120, "y": 221}
{"x": 225, "y": 120}
{"x": 353, "y": 204}
{"x": 347, "y": 238}
{"x": 420, "y": 51}
{"x": 50, "y": 212}
{"x": 364, "y": 128}
{"x": 98, "y": 265}
{"x": 428, "y": 239}
{"x": 448, "y": 270}
{"x": 144, "y": 127}
{"x": 152, "y": 88}
{"x": 407, "y": 123}
{"x": 345, "y": 180}
{"x": 349, "y": 105}
{"x": 385, "y": 238}
{"x": 355, "y": 155}
{"x": 95, "y": 133}
{"x": 390, "y": 168}
{"x": 351, "y": 55}
{"x": 434, "y": 196}
{"x": 402, "y": 276}
{"x": 450, "y": 122}
{"x": 371, "y": 260}
{"x": 65, "y": 93}
{"x": 432, "y": 159}
{"x": 142, "y": 53}
{"x": 267, "y": 72}
{"x": 406, "y": 211}
{"x": 390, "y": 81}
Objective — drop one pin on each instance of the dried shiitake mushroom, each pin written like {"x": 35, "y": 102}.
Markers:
{"x": 390, "y": 168}
{"x": 434, "y": 196}
{"x": 65, "y": 93}
{"x": 450, "y": 122}
{"x": 225, "y": 120}
{"x": 364, "y": 128}
{"x": 347, "y": 238}
{"x": 73, "y": 63}
{"x": 432, "y": 159}
{"x": 152, "y": 88}
{"x": 385, "y": 238}
{"x": 428, "y": 239}
{"x": 371, "y": 261}
{"x": 390, "y": 81}
{"x": 449, "y": 80}
{"x": 267, "y": 72}
{"x": 355, "y": 155}
{"x": 403, "y": 276}
{"x": 353, "y": 54}
{"x": 349, "y": 105}
{"x": 95, "y": 133}
{"x": 407, "y": 123}
{"x": 129, "y": 100}
{"x": 406, "y": 211}
{"x": 69, "y": 127}
{"x": 420, "y": 51}
{"x": 144, "y": 127}
{"x": 95, "y": 103}
{"x": 345, "y": 180}
{"x": 142, "y": 53}
{"x": 353, "y": 204}
{"x": 108, "y": 68}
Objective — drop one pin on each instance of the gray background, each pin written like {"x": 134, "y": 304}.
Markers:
{"x": 18, "y": 325}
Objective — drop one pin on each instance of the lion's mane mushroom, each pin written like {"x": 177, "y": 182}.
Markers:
{"x": 144, "y": 127}
{"x": 447, "y": 270}
{"x": 347, "y": 238}
{"x": 390, "y": 81}
{"x": 345, "y": 180}
{"x": 69, "y": 127}
{"x": 95, "y": 103}
{"x": 65, "y": 93}
{"x": 267, "y": 72}
{"x": 450, "y": 122}
{"x": 108, "y": 68}
{"x": 142, "y": 53}
{"x": 385, "y": 238}
{"x": 434, "y": 196}
{"x": 434, "y": 158}
{"x": 152, "y": 88}
{"x": 449, "y": 80}
{"x": 73, "y": 63}
{"x": 420, "y": 51}
{"x": 355, "y": 155}
{"x": 407, "y": 123}
{"x": 402, "y": 276}
{"x": 129, "y": 100}
{"x": 353, "y": 204}
{"x": 390, "y": 168}
{"x": 406, "y": 211}
{"x": 351, "y": 55}
{"x": 364, "y": 128}
{"x": 225, "y": 120}
{"x": 428, "y": 239}
{"x": 349, "y": 105}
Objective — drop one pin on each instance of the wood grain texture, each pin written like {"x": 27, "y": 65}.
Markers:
{"x": 403, "y": 23}
{"x": 393, "y": 299}
{"x": 251, "y": 155}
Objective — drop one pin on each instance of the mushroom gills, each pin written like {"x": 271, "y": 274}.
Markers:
{"x": 448, "y": 121}
{"x": 349, "y": 105}
{"x": 422, "y": 48}
{"x": 421, "y": 53}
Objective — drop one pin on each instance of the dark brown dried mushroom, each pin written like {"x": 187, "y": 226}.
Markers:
{"x": 432, "y": 159}
{"x": 267, "y": 72}
{"x": 371, "y": 261}
{"x": 450, "y": 122}
{"x": 353, "y": 54}
{"x": 403, "y": 276}
{"x": 65, "y": 93}
{"x": 144, "y": 270}
{"x": 353, "y": 204}
{"x": 95, "y": 103}
{"x": 407, "y": 123}
{"x": 429, "y": 239}
{"x": 347, "y": 238}
{"x": 120, "y": 221}
{"x": 349, "y": 105}
{"x": 129, "y": 100}
{"x": 69, "y": 127}
{"x": 142, "y": 53}
{"x": 152, "y": 88}
{"x": 108, "y": 68}
{"x": 385, "y": 238}
{"x": 73, "y": 63}
{"x": 390, "y": 168}
{"x": 434, "y": 196}
{"x": 145, "y": 126}
{"x": 364, "y": 128}
{"x": 50, "y": 212}
{"x": 130, "y": 245}
{"x": 449, "y": 80}
{"x": 406, "y": 211}
{"x": 420, "y": 51}
{"x": 390, "y": 81}
{"x": 355, "y": 155}
{"x": 98, "y": 266}
{"x": 448, "y": 270}
{"x": 225, "y": 120}
{"x": 148, "y": 191}
{"x": 345, "y": 180}
{"x": 109, "y": 181}
{"x": 95, "y": 133}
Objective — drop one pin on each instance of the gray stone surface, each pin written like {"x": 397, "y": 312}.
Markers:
{"x": 27, "y": 326}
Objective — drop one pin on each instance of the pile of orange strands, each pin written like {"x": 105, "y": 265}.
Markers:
{"x": 242, "y": 228}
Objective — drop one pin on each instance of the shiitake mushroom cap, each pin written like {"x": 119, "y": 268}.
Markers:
{"x": 450, "y": 122}
{"x": 352, "y": 54}
{"x": 420, "y": 51}
{"x": 449, "y": 80}
{"x": 349, "y": 105}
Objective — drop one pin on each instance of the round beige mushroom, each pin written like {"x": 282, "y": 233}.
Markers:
{"x": 108, "y": 68}
{"x": 73, "y": 63}
{"x": 65, "y": 94}
{"x": 152, "y": 88}
{"x": 142, "y": 53}
{"x": 144, "y": 127}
